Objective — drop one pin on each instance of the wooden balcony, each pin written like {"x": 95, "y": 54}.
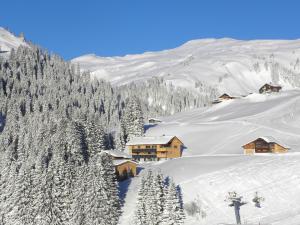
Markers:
{"x": 143, "y": 152}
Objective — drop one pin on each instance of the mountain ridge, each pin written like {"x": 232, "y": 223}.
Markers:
{"x": 233, "y": 66}
{"x": 9, "y": 41}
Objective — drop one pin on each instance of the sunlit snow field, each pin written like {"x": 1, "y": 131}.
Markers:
{"x": 213, "y": 162}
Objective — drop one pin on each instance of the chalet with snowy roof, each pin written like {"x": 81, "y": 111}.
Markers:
{"x": 223, "y": 97}
{"x": 269, "y": 88}
{"x": 124, "y": 165}
{"x": 154, "y": 121}
{"x": 155, "y": 148}
{"x": 266, "y": 144}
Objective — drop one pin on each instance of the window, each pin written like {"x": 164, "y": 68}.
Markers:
{"x": 175, "y": 146}
{"x": 148, "y": 146}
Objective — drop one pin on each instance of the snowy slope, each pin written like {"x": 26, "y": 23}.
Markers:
{"x": 9, "y": 41}
{"x": 275, "y": 177}
{"x": 225, "y": 127}
{"x": 233, "y": 66}
{"x": 213, "y": 162}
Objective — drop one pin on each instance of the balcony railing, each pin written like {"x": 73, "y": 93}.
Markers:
{"x": 144, "y": 151}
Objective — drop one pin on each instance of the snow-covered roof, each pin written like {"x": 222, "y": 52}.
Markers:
{"x": 118, "y": 162}
{"x": 270, "y": 139}
{"x": 224, "y": 95}
{"x": 161, "y": 140}
{"x": 117, "y": 153}
{"x": 272, "y": 84}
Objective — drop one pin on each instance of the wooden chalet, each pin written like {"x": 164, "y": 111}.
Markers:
{"x": 223, "y": 97}
{"x": 269, "y": 88}
{"x": 155, "y": 148}
{"x": 264, "y": 145}
{"x": 124, "y": 165}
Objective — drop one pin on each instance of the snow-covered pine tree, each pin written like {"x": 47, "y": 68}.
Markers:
{"x": 173, "y": 213}
{"x": 140, "y": 211}
{"x": 24, "y": 209}
{"x": 81, "y": 189}
{"x": 95, "y": 137}
{"x": 158, "y": 202}
{"x": 62, "y": 192}
{"x": 158, "y": 198}
{"x": 155, "y": 197}
{"x": 75, "y": 142}
{"x": 102, "y": 202}
{"x": 8, "y": 202}
{"x": 110, "y": 185}
{"x": 132, "y": 124}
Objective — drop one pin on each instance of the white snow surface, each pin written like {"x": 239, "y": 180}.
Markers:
{"x": 9, "y": 41}
{"x": 213, "y": 162}
{"x": 227, "y": 64}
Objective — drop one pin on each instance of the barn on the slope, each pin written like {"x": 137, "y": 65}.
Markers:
{"x": 269, "y": 88}
{"x": 223, "y": 97}
{"x": 125, "y": 167}
{"x": 266, "y": 144}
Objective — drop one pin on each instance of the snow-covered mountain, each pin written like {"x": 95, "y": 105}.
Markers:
{"x": 213, "y": 162}
{"x": 9, "y": 40}
{"x": 233, "y": 66}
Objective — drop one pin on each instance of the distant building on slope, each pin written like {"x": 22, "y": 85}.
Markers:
{"x": 155, "y": 148}
{"x": 266, "y": 144}
{"x": 269, "y": 88}
{"x": 223, "y": 97}
{"x": 2, "y": 51}
{"x": 154, "y": 121}
{"x": 124, "y": 165}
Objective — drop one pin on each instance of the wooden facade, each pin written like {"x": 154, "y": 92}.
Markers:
{"x": 268, "y": 88}
{"x": 264, "y": 145}
{"x": 222, "y": 98}
{"x": 164, "y": 148}
{"x": 225, "y": 97}
{"x": 125, "y": 167}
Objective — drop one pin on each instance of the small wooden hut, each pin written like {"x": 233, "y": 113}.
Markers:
{"x": 269, "y": 88}
{"x": 125, "y": 167}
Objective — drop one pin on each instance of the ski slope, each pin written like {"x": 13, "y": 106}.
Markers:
{"x": 213, "y": 162}
{"x": 233, "y": 66}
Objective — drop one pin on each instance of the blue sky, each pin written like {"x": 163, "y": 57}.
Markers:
{"x": 72, "y": 28}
